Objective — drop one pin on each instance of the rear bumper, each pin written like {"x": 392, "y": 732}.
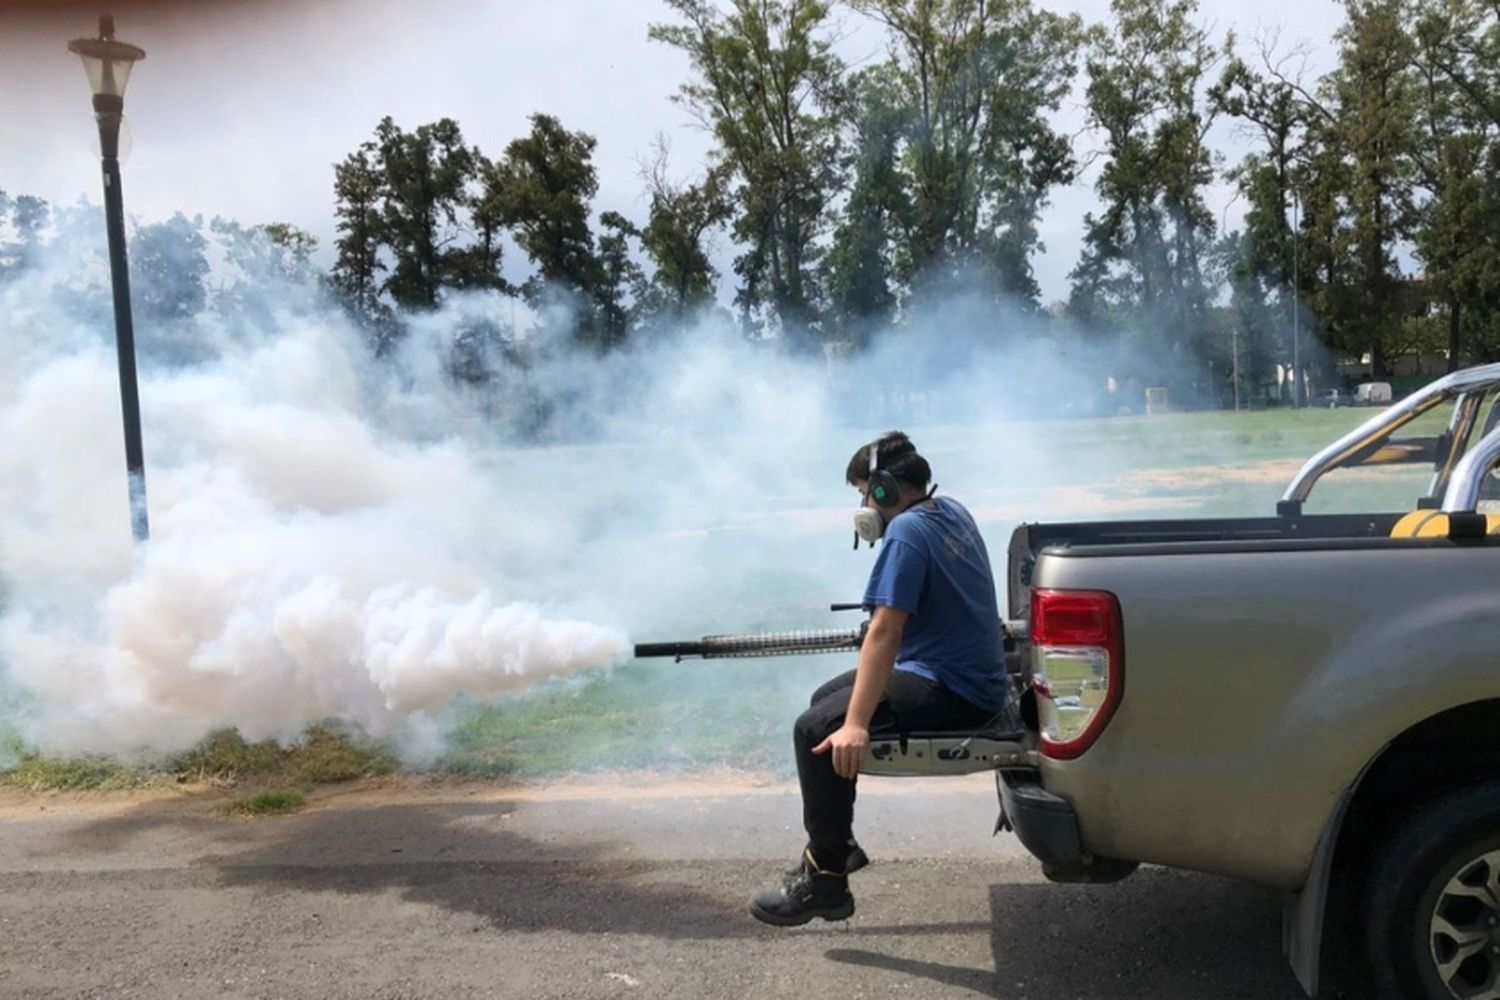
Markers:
{"x": 1046, "y": 825}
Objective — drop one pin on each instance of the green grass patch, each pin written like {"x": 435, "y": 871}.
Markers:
{"x": 647, "y": 714}
{"x": 37, "y": 773}
{"x": 325, "y": 754}
{"x": 226, "y": 756}
{"x": 328, "y": 753}
{"x": 266, "y": 804}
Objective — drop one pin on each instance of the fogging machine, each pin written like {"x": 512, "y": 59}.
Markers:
{"x": 793, "y": 643}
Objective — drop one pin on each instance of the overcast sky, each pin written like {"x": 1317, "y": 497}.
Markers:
{"x": 242, "y": 106}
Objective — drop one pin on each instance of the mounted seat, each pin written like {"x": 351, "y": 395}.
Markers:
{"x": 1003, "y": 742}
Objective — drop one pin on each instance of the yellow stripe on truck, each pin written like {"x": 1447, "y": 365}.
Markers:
{"x": 1434, "y": 524}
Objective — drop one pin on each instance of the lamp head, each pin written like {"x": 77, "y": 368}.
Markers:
{"x": 108, "y": 63}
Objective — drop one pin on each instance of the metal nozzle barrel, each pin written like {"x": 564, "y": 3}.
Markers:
{"x": 757, "y": 644}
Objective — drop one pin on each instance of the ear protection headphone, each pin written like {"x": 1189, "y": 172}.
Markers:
{"x": 882, "y": 486}
{"x": 881, "y": 490}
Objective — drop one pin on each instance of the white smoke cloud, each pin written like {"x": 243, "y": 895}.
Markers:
{"x": 303, "y": 564}
{"x": 369, "y": 539}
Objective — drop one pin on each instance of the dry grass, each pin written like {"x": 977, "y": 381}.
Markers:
{"x": 325, "y": 754}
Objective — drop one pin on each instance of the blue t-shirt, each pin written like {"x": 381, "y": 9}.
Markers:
{"x": 933, "y": 565}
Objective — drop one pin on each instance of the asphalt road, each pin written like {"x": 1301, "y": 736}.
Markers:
{"x": 619, "y": 889}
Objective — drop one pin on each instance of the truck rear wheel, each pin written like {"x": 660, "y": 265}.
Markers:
{"x": 1432, "y": 902}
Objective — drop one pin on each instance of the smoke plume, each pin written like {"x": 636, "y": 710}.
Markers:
{"x": 473, "y": 512}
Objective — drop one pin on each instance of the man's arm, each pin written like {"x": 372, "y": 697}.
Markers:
{"x": 877, "y": 658}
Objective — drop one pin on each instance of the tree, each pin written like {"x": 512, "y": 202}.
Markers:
{"x": 977, "y": 81}
{"x": 619, "y": 278}
{"x": 1260, "y": 261}
{"x": 1370, "y": 97}
{"x": 680, "y": 217}
{"x": 417, "y": 207}
{"x": 478, "y": 264}
{"x": 1325, "y": 263}
{"x": 357, "y": 264}
{"x": 7, "y": 251}
{"x": 1142, "y": 270}
{"x": 541, "y": 189}
{"x": 292, "y": 247}
{"x": 425, "y": 176}
{"x": 29, "y": 217}
{"x": 1456, "y": 159}
{"x": 169, "y": 268}
{"x": 1360, "y": 180}
{"x": 1459, "y": 40}
{"x": 861, "y": 263}
{"x": 266, "y": 264}
{"x": 768, "y": 85}
{"x": 275, "y": 250}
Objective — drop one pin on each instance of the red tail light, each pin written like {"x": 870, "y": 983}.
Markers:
{"x": 1077, "y": 666}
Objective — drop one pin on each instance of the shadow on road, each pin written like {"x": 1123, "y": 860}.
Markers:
{"x": 1161, "y": 934}
{"x": 452, "y": 856}
{"x": 1204, "y": 938}
{"x": 486, "y": 859}
{"x": 107, "y": 836}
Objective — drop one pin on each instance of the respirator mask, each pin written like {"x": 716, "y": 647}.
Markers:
{"x": 869, "y": 525}
{"x": 881, "y": 494}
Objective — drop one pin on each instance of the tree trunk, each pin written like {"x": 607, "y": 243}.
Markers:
{"x": 1455, "y": 333}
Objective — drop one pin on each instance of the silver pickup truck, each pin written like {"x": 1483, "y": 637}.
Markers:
{"x": 1310, "y": 702}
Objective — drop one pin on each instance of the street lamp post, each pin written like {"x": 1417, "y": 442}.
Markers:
{"x": 1296, "y": 303}
{"x": 108, "y": 63}
{"x": 1234, "y": 340}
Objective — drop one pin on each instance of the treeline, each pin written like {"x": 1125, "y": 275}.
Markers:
{"x": 855, "y": 198}
{"x": 421, "y": 212}
{"x": 182, "y": 271}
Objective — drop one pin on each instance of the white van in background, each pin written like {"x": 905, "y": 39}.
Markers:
{"x": 1365, "y": 394}
{"x": 1372, "y": 394}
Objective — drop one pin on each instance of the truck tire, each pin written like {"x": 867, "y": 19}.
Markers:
{"x": 1431, "y": 914}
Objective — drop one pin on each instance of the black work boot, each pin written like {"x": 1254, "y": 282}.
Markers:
{"x": 854, "y": 859}
{"x": 812, "y": 893}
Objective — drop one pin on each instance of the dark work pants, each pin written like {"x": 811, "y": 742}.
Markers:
{"x": 911, "y": 704}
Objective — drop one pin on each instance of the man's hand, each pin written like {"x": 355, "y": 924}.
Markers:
{"x": 848, "y": 744}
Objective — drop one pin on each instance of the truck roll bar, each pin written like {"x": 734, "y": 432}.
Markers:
{"x": 1468, "y": 476}
{"x": 1368, "y": 436}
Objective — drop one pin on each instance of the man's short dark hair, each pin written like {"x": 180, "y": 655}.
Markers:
{"x": 894, "y": 453}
